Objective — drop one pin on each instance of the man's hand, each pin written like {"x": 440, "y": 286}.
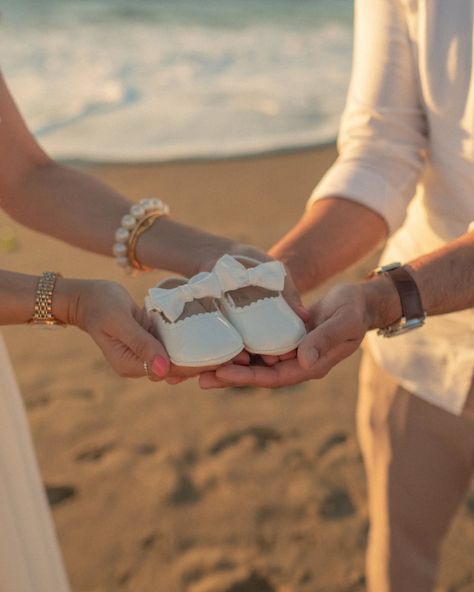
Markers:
{"x": 340, "y": 321}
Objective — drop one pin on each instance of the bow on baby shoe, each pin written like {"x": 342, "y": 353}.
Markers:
{"x": 233, "y": 275}
{"x": 172, "y": 302}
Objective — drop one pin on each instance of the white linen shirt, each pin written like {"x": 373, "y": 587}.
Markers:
{"x": 406, "y": 148}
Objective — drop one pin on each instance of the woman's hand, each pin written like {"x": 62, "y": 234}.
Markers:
{"x": 119, "y": 327}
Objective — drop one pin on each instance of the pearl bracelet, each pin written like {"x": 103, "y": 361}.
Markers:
{"x": 142, "y": 215}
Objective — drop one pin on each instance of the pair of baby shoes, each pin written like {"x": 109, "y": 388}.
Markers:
{"x": 210, "y": 318}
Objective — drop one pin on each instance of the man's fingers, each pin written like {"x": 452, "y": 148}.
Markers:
{"x": 209, "y": 380}
{"x": 284, "y": 373}
{"x": 270, "y": 360}
{"x": 175, "y": 379}
{"x": 337, "y": 354}
{"x": 339, "y": 328}
{"x": 281, "y": 374}
{"x": 289, "y": 355}
{"x": 243, "y": 359}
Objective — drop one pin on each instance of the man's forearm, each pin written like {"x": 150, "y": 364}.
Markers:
{"x": 332, "y": 235}
{"x": 445, "y": 277}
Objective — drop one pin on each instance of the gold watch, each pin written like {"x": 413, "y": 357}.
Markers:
{"x": 43, "y": 313}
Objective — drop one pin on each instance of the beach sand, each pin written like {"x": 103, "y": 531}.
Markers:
{"x": 171, "y": 489}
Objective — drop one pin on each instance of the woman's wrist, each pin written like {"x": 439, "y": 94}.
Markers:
{"x": 66, "y": 297}
{"x": 176, "y": 247}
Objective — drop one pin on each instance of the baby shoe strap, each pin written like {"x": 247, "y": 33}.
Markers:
{"x": 233, "y": 275}
{"x": 172, "y": 302}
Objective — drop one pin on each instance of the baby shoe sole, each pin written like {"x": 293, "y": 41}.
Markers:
{"x": 214, "y": 362}
{"x": 275, "y": 352}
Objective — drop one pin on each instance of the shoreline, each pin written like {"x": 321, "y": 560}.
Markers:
{"x": 205, "y": 159}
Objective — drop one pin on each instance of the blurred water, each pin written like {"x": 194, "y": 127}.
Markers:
{"x": 115, "y": 80}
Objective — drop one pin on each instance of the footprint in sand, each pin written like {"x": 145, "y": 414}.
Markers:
{"x": 363, "y": 534}
{"x": 38, "y": 401}
{"x": 470, "y": 503}
{"x": 184, "y": 491}
{"x": 261, "y": 434}
{"x": 145, "y": 449}
{"x": 336, "y": 505}
{"x": 94, "y": 454}
{"x": 334, "y": 440}
{"x": 358, "y": 585}
{"x": 239, "y": 580}
{"x": 57, "y": 494}
{"x": 197, "y": 564}
{"x": 85, "y": 394}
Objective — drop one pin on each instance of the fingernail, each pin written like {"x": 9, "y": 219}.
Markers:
{"x": 160, "y": 366}
{"x": 312, "y": 356}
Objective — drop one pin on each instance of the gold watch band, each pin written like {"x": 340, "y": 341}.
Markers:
{"x": 43, "y": 312}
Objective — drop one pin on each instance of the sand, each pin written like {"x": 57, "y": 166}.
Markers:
{"x": 171, "y": 489}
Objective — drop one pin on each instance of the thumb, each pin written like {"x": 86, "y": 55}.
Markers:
{"x": 146, "y": 348}
{"x": 309, "y": 350}
{"x": 330, "y": 334}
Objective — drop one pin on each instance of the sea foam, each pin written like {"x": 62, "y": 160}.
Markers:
{"x": 95, "y": 86}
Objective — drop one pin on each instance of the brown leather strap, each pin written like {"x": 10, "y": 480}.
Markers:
{"x": 407, "y": 289}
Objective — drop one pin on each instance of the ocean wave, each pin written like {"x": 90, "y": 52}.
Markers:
{"x": 132, "y": 89}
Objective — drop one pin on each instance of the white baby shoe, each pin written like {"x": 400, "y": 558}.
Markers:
{"x": 189, "y": 323}
{"x": 253, "y": 303}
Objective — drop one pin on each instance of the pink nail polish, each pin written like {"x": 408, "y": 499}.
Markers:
{"x": 160, "y": 366}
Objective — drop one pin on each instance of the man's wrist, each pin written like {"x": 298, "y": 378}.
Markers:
{"x": 382, "y": 302}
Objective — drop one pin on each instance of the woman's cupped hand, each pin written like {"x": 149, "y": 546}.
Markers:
{"x": 121, "y": 329}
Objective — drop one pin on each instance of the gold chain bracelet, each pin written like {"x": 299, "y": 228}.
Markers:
{"x": 43, "y": 311}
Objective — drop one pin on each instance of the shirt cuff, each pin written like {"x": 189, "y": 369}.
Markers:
{"x": 360, "y": 184}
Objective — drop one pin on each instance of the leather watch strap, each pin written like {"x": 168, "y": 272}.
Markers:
{"x": 410, "y": 299}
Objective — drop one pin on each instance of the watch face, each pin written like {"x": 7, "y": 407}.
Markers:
{"x": 390, "y": 266}
{"x": 403, "y": 326}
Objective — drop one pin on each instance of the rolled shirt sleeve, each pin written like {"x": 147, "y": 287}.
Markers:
{"x": 383, "y": 133}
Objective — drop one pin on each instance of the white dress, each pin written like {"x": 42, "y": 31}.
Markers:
{"x": 30, "y": 560}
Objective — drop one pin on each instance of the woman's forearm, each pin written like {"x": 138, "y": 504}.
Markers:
{"x": 69, "y": 205}
{"x": 18, "y": 294}
{"x": 73, "y": 206}
{"x": 79, "y": 209}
